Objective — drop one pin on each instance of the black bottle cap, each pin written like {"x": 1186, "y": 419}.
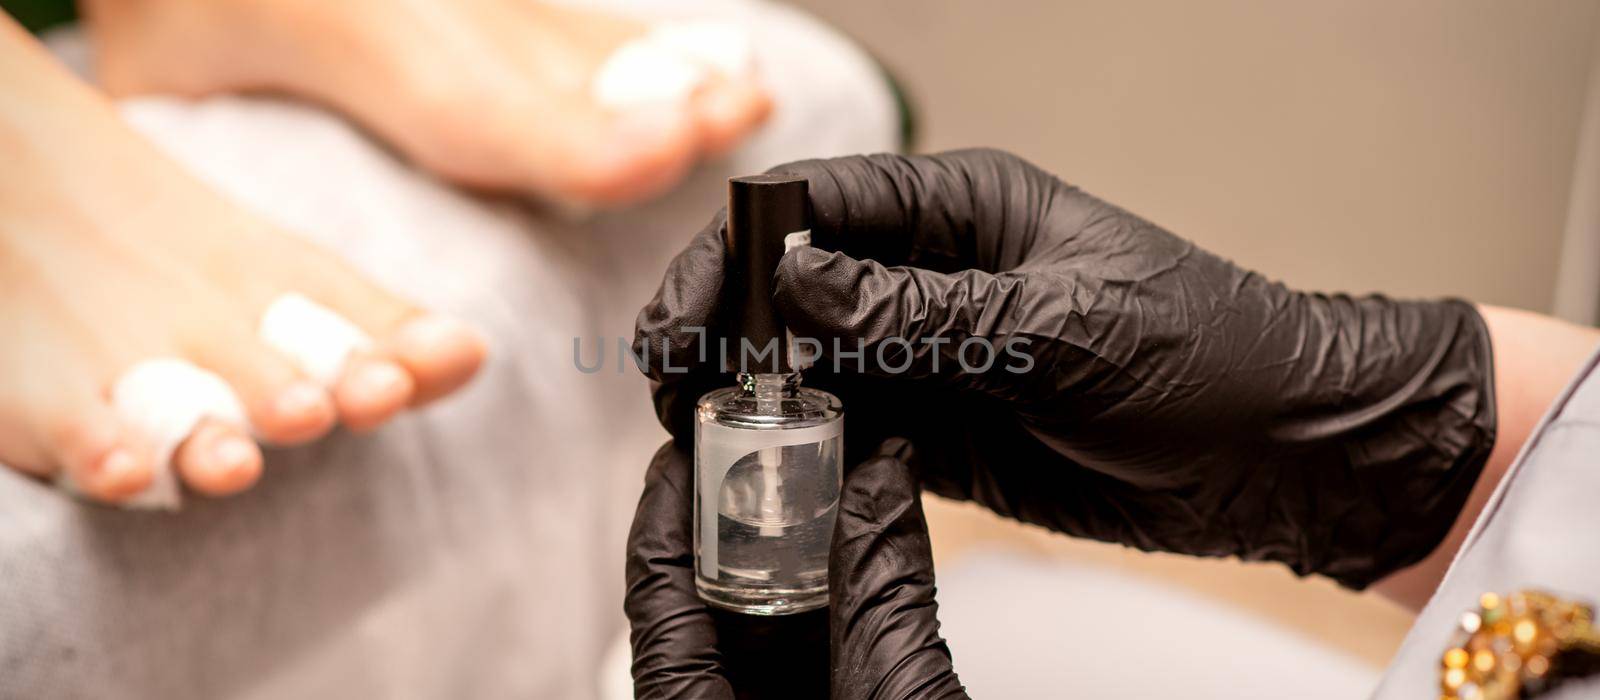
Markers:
{"x": 762, "y": 211}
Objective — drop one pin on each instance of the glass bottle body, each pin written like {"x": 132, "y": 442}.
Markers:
{"x": 769, "y": 461}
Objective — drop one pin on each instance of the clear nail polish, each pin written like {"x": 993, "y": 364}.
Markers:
{"x": 768, "y": 452}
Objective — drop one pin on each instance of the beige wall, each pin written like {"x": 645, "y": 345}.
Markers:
{"x": 1418, "y": 148}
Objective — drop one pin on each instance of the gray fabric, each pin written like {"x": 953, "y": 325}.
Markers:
{"x": 471, "y": 550}
{"x": 1537, "y": 531}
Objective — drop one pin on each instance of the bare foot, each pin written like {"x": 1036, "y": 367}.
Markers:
{"x": 487, "y": 93}
{"x": 110, "y": 254}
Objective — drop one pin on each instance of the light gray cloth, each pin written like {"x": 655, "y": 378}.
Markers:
{"x": 1540, "y": 529}
{"x": 473, "y": 549}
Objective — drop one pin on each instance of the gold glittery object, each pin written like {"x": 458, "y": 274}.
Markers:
{"x": 1510, "y": 645}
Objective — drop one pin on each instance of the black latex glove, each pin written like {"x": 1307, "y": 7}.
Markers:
{"x": 884, "y": 640}
{"x": 1175, "y": 401}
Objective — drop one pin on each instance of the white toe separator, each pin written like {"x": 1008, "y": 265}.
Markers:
{"x": 640, "y": 74}
{"x": 724, "y": 47}
{"x": 164, "y": 400}
{"x": 311, "y": 336}
{"x": 666, "y": 64}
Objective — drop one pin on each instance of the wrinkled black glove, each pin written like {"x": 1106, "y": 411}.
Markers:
{"x": 879, "y": 634}
{"x": 1172, "y": 401}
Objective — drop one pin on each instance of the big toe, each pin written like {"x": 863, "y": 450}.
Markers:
{"x": 441, "y": 353}
{"x": 641, "y": 153}
{"x": 372, "y": 390}
{"x": 728, "y": 111}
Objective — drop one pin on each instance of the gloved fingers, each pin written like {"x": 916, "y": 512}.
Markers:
{"x": 686, "y": 305}
{"x": 878, "y": 207}
{"x": 948, "y": 212}
{"x": 673, "y": 635}
{"x": 885, "y": 629}
{"x": 978, "y": 451}
{"x": 976, "y": 208}
{"x": 961, "y": 328}
{"x": 976, "y": 448}
{"x": 674, "y": 331}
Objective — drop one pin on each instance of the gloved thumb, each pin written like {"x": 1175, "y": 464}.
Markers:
{"x": 884, "y": 621}
{"x": 910, "y": 322}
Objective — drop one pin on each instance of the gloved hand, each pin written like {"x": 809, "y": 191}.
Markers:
{"x": 883, "y": 640}
{"x": 1171, "y": 400}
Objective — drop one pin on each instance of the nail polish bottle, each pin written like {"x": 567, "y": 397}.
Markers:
{"x": 768, "y": 452}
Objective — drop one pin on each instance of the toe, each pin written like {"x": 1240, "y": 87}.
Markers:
{"x": 103, "y": 457}
{"x": 372, "y": 390}
{"x": 640, "y": 154}
{"x": 285, "y": 407}
{"x": 728, "y": 111}
{"x": 118, "y": 475}
{"x": 437, "y": 352}
{"x": 441, "y": 353}
{"x": 289, "y": 412}
{"x": 218, "y": 459}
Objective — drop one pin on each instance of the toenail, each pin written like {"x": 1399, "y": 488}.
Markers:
{"x": 301, "y": 398}
{"x": 379, "y": 379}
{"x": 233, "y": 452}
{"x": 434, "y": 331}
{"x": 725, "y": 106}
{"x": 119, "y": 467}
{"x": 649, "y": 128}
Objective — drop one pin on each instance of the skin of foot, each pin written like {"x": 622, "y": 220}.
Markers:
{"x": 491, "y": 94}
{"x": 111, "y": 254}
